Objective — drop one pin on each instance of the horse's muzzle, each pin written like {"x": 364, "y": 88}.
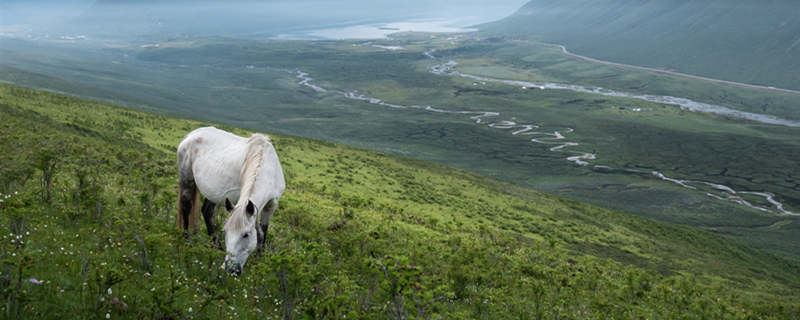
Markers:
{"x": 236, "y": 270}
{"x": 233, "y": 268}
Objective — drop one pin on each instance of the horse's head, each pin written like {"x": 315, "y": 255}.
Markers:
{"x": 240, "y": 235}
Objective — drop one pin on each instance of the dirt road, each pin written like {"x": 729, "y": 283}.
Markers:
{"x": 738, "y": 84}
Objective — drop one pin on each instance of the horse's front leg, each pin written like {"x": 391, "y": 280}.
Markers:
{"x": 266, "y": 213}
{"x": 208, "y": 216}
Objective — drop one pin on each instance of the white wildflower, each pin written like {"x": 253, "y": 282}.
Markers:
{"x": 108, "y": 316}
{"x": 109, "y": 291}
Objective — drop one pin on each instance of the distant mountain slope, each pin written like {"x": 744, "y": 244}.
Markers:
{"x": 358, "y": 234}
{"x": 743, "y": 40}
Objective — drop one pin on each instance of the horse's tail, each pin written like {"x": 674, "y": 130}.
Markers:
{"x": 188, "y": 196}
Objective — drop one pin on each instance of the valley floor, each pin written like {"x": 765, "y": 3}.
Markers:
{"x": 645, "y": 156}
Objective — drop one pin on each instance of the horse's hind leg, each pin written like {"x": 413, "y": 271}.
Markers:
{"x": 266, "y": 213}
{"x": 188, "y": 195}
{"x": 208, "y": 216}
{"x": 185, "y": 202}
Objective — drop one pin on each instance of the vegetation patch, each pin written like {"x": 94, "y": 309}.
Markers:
{"x": 87, "y": 229}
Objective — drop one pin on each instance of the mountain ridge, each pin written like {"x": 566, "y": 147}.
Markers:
{"x": 744, "y": 41}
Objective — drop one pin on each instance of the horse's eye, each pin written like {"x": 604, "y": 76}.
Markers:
{"x": 246, "y": 235}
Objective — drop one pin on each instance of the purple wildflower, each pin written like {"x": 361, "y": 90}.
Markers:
{"x": 34, "y": 281}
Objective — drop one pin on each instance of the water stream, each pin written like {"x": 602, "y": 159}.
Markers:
{"x": 687, "y": 104}
{"x": 559, "y": 142}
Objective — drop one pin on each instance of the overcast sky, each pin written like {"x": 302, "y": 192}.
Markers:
{"x": 47, "y": 11}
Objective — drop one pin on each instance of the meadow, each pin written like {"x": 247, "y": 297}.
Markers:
{"x": 254, "y": 85}
{"x": 89, "y": 230}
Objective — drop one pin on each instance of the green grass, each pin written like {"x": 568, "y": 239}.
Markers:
{"x": 677, "y": 143}
{"x": 358, "y": 234}
{"x": 208, "y": 79}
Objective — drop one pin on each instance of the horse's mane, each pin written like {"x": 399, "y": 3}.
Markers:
{"x": 252, "y": 165}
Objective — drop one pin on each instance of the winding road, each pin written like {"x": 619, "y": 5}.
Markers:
{"x": 684, "y": 75}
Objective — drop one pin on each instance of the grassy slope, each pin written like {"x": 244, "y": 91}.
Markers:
{"x": 358, "y": 233}
{"x": 193, "y": 78}
{"x": 745, "y": 41}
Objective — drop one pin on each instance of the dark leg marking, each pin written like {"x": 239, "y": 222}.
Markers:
{"x": 208, "y": 216}
{"x": 187, "y": 196}
{"x": 262, "y": 236}
{"x": 266, "y": 213}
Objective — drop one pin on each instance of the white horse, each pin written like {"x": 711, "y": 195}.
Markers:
{"x": 224, "y": 166}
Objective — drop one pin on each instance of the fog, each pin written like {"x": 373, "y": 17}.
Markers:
{"x": 135, "y": 18}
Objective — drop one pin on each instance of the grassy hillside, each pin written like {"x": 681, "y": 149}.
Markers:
{"x": 88, "y": 227}
{"x": 257, "y": 84}
{"x": 743, "y": 40}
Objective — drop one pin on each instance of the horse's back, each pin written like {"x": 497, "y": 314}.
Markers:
{"x": 212, "y": 158}
{"x": 210, "y": 138}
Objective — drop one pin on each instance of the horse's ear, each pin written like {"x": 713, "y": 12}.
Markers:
{"x": 250, "y": 209}
{"x": 228, "y": 205}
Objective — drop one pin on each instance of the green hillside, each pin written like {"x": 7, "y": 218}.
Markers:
{"x": 257, "y": 84}
{"x": 746, "y": 41}
{"x": 87, "y": 221}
